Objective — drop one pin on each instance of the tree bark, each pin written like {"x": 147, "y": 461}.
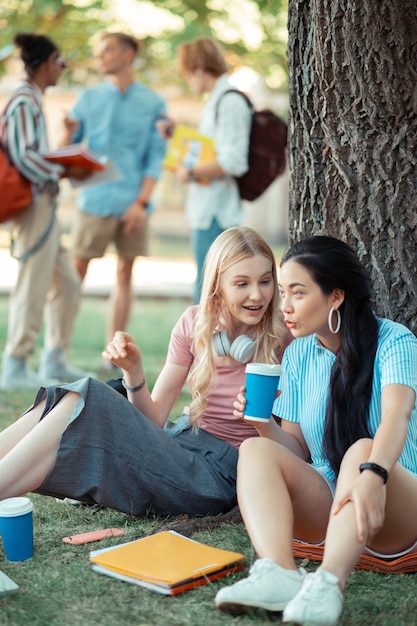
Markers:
{"x": 353, "y": 137}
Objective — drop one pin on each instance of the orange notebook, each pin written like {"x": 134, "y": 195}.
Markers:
{"x": 76, "y": 155}
{"x": 166, "y": 562}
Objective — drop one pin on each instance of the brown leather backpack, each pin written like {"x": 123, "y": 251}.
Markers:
{"x": 267, "y": 150}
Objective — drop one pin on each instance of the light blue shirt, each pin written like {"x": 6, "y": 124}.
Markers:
{"x": 122, "y": 127}
{"x": 229, "y": 123}
{"x": 305, "y": 384}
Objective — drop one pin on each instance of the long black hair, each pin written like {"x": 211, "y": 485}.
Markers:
{"x": 333, "y": 264}
{"x": 34, "y": 49}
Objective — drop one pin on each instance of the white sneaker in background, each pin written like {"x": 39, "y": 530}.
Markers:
{"x": 319, "y": 602}
{"x": 268, "y": 586}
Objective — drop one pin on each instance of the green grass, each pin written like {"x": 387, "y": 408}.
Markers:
{"x": 57, "y": 586}
{"x": 175, "y": 249}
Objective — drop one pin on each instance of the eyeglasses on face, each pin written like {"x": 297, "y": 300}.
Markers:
{"x": 60, "y": 62}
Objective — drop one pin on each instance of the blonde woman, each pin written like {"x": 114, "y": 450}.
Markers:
{"x": 86, "y": 441}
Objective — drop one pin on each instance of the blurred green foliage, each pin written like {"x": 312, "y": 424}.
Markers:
{"x": 253, "y": 32}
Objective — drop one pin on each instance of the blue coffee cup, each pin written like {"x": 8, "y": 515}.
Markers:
{"x": 261, "y": 389}
{"x": 16, "y": 528}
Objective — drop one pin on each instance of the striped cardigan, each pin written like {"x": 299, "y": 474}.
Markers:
{"x": 24, "y": 137}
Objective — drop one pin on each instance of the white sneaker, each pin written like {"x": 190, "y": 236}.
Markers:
{"x": 268, "y": 586}
{"x": 54, "y": 365}
{"x": 17, "y": 375}
{"x": 319, "y": 602}
{"x": 68, "y": 501}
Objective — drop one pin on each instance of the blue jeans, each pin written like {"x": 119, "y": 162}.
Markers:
{"x": 201, "y": 241}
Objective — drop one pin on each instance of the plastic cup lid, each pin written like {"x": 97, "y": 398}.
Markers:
{"x": 15, "y": 506}
{"x": 264, "y": 369}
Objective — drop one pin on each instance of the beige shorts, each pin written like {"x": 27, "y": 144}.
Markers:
{"x": 92, "y": 234}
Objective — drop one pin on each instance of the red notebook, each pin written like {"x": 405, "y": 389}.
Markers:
{"x": 76, "y": 155}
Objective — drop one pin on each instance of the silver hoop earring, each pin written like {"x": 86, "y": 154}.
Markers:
{"x": 339, "y": 320}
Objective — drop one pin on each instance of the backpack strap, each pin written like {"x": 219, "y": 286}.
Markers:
{"x": 37, "y": 245}
{"x": 248, "y": 100}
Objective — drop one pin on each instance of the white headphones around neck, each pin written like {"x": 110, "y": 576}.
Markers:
{"x": 241, "y": 349}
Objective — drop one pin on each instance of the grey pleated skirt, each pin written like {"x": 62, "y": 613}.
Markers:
{"x": 112, "y": 455}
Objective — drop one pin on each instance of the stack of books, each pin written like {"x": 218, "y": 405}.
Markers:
{"x": 166, "y": 562}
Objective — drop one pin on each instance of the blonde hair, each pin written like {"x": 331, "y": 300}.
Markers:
{"x": 230, "y": 247}
{"x": 201, "y": 54}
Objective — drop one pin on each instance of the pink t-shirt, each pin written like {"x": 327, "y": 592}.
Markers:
{"x": 218, "y": 418}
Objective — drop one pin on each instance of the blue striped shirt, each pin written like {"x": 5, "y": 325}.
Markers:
{"x": 305, "y": 385}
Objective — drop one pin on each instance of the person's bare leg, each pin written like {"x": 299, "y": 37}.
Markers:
{"x": 279, "y": 497}
{"x": 343, "y": 549}
{"x": 121, "y": 299}
{"x": 25, "y": 466}
{"x": 11, "y": 435}
{"x": 81, "y": 265}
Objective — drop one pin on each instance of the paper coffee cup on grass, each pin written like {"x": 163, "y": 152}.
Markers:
{"x": 261, "y": 389}
{"x": 16, "y": 528}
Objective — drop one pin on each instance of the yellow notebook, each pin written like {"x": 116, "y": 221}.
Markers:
{"x": 166, "y": 562}
{"x": 187, "y": 141}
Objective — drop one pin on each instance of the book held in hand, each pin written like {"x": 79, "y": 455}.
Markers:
{"x": 166, "y": 562}
{"x": 76, "y": 155}
{"x": 188, "y": 147}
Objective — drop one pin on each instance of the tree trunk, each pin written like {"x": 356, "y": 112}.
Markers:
{"x": 353, "y": 137}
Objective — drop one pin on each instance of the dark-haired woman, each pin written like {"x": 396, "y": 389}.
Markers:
{"x": 343, "y": 465}
{"x": 47, "y": 281}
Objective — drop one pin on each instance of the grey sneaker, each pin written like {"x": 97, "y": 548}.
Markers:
{"x": 319, "y": 602}
{"x": 17, "y": 375}
{"x": 54, "y": 365}
{"x": 110, "y": 370}
{"x": 268, "y": 586}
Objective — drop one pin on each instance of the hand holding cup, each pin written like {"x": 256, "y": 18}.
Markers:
{"x": 261, "y": 390}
